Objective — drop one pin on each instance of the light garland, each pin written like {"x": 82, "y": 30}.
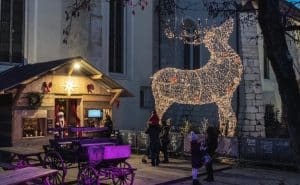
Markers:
{"x": 189, "y": 34}
{"x": 213, "y": 83}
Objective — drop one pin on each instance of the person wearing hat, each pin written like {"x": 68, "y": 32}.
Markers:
{"x": 211, "y": 142}
{"x": 198, "y": 153}
{"x": 154, "y": 120}
{"x": 153, "y": 130}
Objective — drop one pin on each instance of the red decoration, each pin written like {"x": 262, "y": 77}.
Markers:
{"x": 173, "y": 80}
{"x": 46, "y": 87}
{"x": 90, "y": 88}
{"x": 117, "y": 102}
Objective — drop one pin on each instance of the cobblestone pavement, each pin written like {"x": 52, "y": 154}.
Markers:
{"x": 147, "y": 175}
{"x": 250, "y": 176}
{"x": 178, "y": 172}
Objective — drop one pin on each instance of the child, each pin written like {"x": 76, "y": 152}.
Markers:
{"x": 199, "y": 157}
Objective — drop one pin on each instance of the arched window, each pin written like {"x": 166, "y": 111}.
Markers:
{"x": 191, "y": 55}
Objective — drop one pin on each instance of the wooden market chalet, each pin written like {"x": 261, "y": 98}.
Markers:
{"x": 32, "y": 95}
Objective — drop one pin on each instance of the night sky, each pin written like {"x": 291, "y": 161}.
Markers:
{"x": 298, "y": 5}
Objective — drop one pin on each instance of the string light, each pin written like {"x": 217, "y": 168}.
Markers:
{"x": 213, "y": 83}
{"x": 188, "y": 32}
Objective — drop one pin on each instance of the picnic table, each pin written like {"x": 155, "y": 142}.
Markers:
{"x": 23, "y": 154}
{"x": 27, "y": 174}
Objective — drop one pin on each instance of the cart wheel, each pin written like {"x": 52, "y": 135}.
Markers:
{"x": 123, "y": 174}
{"x": 53, "y": 160}
{"x": 88, "y": 176}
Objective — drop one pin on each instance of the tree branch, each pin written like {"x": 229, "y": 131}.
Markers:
{"x": 292, "y": 28}
{"x": 292, "y": 37}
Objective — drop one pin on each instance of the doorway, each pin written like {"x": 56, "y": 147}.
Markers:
{"x": 70, "y": 108}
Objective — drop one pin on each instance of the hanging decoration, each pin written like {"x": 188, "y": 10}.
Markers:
{"x": 34, "y": 100}
{"x": 46, "y": 87}
{"x": 70, "y": 86}
{"x": 213, "y": 83}
{"x": 90, "y": 88}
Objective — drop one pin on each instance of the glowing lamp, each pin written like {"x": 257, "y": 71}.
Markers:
{"x": 76, "y": 66}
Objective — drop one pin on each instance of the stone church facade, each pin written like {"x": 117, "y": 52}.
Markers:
{"x": 255, "y": 92}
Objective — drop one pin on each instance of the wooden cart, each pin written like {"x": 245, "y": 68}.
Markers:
{"x": 98, "y": 159}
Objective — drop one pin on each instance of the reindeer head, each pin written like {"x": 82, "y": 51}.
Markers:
{"x": 216, "y": 38}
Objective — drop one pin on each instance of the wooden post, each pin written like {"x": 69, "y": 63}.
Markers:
{"x": 117, "y": 94}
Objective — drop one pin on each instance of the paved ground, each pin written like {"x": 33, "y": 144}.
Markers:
{"x": 147, "y": 175}
{"x": 250, "y": 176}
{"x": 178, "y": 172}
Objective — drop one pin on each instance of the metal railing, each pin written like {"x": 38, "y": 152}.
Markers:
{"x": 266, "y": 150}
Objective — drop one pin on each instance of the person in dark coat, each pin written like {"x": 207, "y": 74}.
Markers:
{"x": 153, "y": 130}
{"x": 211, "y": 141}
{"x": 197, "y": 153}
{"x": 165, "y": 140}
{"x": 109, "y": 124}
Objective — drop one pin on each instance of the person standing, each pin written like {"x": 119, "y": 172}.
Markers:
{"x": 153, "y": 130}
{"x": 60, "y": 124}
{"x": 198, "y": 154}
{"x": 211, "y": 141}
{"x": 165, "y": 140}
{"x": 108, "y": 124}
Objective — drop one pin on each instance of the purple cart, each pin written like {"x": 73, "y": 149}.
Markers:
{"x": 98, "y": 160}
{"x": 105, "y": 162}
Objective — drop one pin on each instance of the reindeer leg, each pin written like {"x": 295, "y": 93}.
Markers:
{"x": 232, "y": 123}
{"x": 227, "y": 118}
{"x": 161, "y": 106}
{"x": 222, "y": 120}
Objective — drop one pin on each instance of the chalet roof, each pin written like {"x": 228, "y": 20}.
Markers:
{"x": 24, "y": 74}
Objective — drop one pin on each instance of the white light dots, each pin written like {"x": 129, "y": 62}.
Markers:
{"x": 213, "y": 83}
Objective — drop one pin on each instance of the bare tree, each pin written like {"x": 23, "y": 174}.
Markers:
{"x": 271, "y": 22}
{"x": 76, "y": 7}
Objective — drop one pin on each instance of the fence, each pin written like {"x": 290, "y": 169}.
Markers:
{"x": 139, "y": 141}
{"x": 270, "y": 150}
{"x": 267, "y": 150}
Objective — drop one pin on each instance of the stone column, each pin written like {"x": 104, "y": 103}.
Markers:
{"x": 251, "y": 113}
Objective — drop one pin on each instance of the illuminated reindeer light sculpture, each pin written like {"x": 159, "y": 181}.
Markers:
{"x": 213, "y": 83}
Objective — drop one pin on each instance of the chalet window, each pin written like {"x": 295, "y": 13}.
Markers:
{"x": 146, "y": 98}
{"x": 116, "y": 39}
{"x": 11, "y": 29}
{"x": 191, "y": 52}
{"x": 266, "y": 65}
{"x": 34, "y": 127}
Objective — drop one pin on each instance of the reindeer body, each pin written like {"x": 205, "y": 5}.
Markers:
{"x": 213, "y": 83}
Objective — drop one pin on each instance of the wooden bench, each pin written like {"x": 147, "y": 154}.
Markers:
{"x": 27, "y": 174}
{"x": 23, "y": 154}
{"x": 7, "y": 166}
